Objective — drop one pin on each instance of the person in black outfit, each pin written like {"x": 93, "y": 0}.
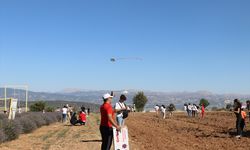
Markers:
{"x": 88, "y": 111}
{"x": 237, "y": 112}
{"x": 73, "y": 119}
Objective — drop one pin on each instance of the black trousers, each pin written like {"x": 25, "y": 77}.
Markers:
{"x": 239, "y": 125}
{"x": 80, "y": 122}
{"x": 107, "y": 137}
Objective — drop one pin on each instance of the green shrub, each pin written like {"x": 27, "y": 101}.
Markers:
{"x": 140, "y": 101}
{"x": 49, "y": 109}
{"x": 38, "y": 106}
{"x": 204, "y": 102}
{"x": 171, "y": 107}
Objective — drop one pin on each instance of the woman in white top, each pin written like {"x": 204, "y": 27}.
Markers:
{"x": 119, "y": 108}
{"x": 64, "y": 114}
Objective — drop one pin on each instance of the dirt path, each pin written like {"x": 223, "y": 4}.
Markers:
{"x": 60, "y": 137}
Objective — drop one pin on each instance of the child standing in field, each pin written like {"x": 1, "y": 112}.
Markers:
{"x": 243, "y": 121}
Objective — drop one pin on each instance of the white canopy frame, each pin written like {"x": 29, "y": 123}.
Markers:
{"x": 14, "y": 87}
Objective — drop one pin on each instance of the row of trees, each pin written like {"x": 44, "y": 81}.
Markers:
{"x": 140, "y": 101}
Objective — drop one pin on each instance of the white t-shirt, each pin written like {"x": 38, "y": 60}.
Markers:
{"x": 119, "y": 105}
{"x": 189, "y": 107}
{"x": 194, "y": 108}
{"x": 64, "y": 110}
{"x": 185, "y": 108}
{"x": 163, "y": 110}
{"x": 157, "y": 108}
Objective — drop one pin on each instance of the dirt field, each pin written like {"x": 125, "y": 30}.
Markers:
{"x": 146, "y": 132}
{"x": 216, "y": 131}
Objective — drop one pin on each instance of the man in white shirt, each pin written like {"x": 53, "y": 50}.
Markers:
{"x": 157, "y": 109}
{"x": 194, "y": 110}
{"x": 190, "y": 107}
{"x": 119, "y": 108}
{"x": 186, "y": 108}
{"x": 163, "y": 111}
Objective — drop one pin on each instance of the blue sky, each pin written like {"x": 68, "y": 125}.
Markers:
{"x": 185, "y": 45}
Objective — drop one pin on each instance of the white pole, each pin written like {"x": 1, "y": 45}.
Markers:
{"x": 5, "y": 98}
{"x": 26, "y": 103}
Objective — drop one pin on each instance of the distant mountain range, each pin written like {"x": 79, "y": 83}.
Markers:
{"x": 94, "y": 96}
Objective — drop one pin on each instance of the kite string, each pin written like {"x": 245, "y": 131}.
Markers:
{"x": 129, "y": 58}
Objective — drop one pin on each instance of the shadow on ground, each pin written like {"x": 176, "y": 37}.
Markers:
{"x": 91, "y": 141}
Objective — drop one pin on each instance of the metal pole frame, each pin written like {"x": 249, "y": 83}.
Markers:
{"x": 26, "y": 87}
{"x": 5, "y": 98}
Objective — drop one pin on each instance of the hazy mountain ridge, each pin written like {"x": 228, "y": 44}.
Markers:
{"x": 92, "y": 96}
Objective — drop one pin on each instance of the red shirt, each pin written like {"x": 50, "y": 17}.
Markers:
{"x": 202, "y": 108}
{"x": 106, "y": 109}
{"x": 82, "y": 117}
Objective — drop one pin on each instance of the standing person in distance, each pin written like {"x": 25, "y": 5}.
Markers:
{"x": 194, "y": 110}
{"x": 121, "y": 109}
{"x": 107, "y": 122}
{"x": 157, "y": 109}
{"x": 202, "y": 111}
{"x": 243, "y": 121}
{"x": 237, "y": 112}
{"x": 186, "y": 108}
{"x": 163, "y": 111}
{"x": 88, "y": 111}
{"x": 64, "y": 114}
{"x": 189, "y": 110}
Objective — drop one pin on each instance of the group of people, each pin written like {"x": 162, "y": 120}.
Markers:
{"x": 160, "y": 110}
{"x": 82, "y": 118}
{"x": 68, "y": 115}
{"x": 193, "y": 110}
{"x": 112, "y": 117}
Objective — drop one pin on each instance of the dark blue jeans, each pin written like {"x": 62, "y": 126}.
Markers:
{"x": 64, "y": 117}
